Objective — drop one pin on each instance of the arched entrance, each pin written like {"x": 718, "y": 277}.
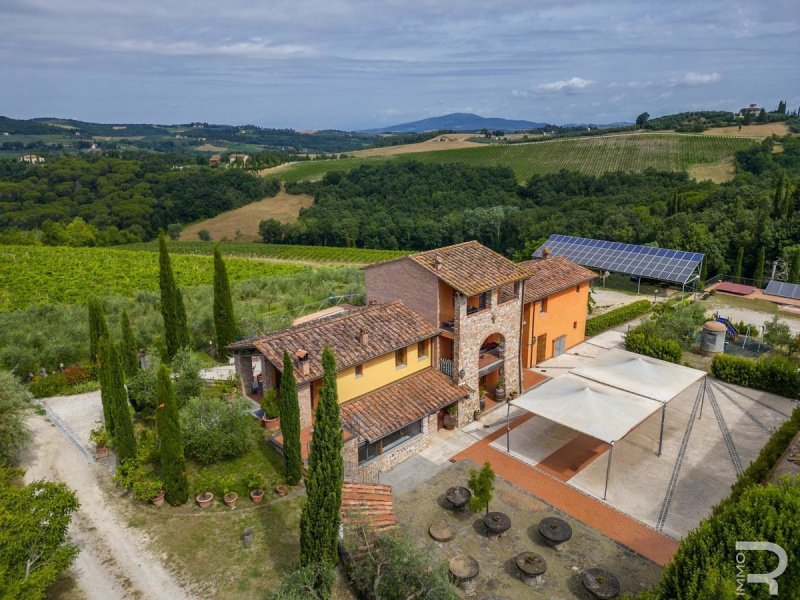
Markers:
{"x": 491, "y": 358}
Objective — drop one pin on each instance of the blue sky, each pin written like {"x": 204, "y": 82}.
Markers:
{"x": 355, "y": 64}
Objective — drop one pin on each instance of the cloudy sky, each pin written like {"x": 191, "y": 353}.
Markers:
{"x": 365, "y": 63}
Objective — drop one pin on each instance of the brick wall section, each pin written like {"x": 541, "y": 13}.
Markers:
{"x": 304, "y": 399}
{"x": 471, "y": 331}
{"x": 404, "y": 280}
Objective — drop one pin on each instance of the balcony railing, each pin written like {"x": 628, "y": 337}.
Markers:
{"x": 446, "y": 366}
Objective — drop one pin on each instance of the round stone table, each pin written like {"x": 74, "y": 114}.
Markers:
{"x": 496, "y": 523}
{"x": 556, "y": 532}
{"x": 464, "y": 569}
{"x": 458, "y": 496}
{"x": 600, "y": 583}
{"x": 441, "y": 531}
{"x": 531, "y": 567}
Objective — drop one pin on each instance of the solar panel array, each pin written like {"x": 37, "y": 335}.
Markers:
{"x": 783, "y": 289}
{"x": 674, "y": 266}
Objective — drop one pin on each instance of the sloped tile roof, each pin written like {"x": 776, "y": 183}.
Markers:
{"x": 389, "y": 326}
{"x": 370, "y": 503}
{"x": 387, "y": 409}
{"x": 469, "y": 267}
{"x": 550, "y": 275}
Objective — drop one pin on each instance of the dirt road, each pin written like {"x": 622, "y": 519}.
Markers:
{"x": 113, "y": 561}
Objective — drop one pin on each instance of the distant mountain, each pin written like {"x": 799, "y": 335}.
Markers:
{"x": 458, "y": 122}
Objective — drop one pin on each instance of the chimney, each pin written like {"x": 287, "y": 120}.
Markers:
{"x": 363, "y": 337}
{"x": 546, "y": 252}
{"x": 437, "y": 262}
{"x": 302, "y": 359}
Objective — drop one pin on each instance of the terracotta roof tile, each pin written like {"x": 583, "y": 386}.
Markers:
{"x": 469, "y": 267}
{"x": 389, "y": 326}
{"x": 387, "y": 409}
{"x": 370, "y": 503}
{"x": 550, "y": 275}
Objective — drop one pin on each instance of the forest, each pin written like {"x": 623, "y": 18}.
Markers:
{"x": 409, "y": 205}
{"x": 122, "y": 199}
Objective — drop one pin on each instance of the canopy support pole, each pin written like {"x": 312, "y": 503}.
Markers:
{"x": 661, "y": 433}
{"x": 608, "y": 469}
{"x": 508, "y": 428}
{"x": 639, "y": 285}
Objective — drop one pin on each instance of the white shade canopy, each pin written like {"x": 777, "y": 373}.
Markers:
{"x": 642, "y": 375}
{"x": 598, "y": 410}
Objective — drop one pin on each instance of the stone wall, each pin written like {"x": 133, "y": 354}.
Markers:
{"x": 392, "y": 458}
{"x": 243, "y": 365}
{"x": 470, "y": 333}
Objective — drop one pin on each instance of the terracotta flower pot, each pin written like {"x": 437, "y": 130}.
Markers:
{"x": 102, "y": 451}
{"x": 257, "y": 496}
{"x": 231, "y": 498}
{"x": 159, "y": 500}
{"x": 271, "y": 424}
{"x": 204, "y": 500}
{"x": 281, "y": 489}
{"x": 450, "y": 421}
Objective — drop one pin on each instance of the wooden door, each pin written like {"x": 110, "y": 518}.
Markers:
{"x": 541, "y": 347}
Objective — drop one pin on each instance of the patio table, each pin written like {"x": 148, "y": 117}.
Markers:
{"x": 531, "y": 567}
{"x": 600, "y": 583}
{"x": 555, "y": 531}
{"x": 496, "y": 523}
{"x": 458, "y": 496}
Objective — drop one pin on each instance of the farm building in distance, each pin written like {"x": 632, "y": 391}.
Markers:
{"x": 445, "y": 334}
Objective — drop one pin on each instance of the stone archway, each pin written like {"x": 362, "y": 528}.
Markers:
{"x": 491, "y": 367}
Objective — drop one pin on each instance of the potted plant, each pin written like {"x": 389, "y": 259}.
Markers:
{"x": 204, "y": 485}
{"x": 100, "y": 437}
{"x": 281, "y": 489}
{"x": 149, "y": 490}
{"x": 269, "y": 405}
{"x": 500, "y": 390}
{"x": 255, "y": 483}
{"x": 451, "y": 417}
{"x": 477, "y": 414}
{"x": 228, "y": 495}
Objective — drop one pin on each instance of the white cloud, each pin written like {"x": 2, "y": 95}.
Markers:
{"x": 572, "y": 84}
{"x": 692, "y": 78}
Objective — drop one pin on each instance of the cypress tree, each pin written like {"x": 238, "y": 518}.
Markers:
{"x": 98, "y": 328}
{"x": 319, "y": 522}
{"x": 130, "y": 354}
{"x": 289, "y": 409}
{"x": 117, "y": 397}
{"x": 173, "y": 460}
{"x": 224, "y": 320}
{"x": 175, "y": 328}
{"x": 103, "y": 375}
{"x": 794, "y": 271}
{"x": 758, "y": 273}
{"x": 737, "y": 272}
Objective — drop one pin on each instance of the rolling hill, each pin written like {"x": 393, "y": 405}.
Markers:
{"x": 458, "y": 122}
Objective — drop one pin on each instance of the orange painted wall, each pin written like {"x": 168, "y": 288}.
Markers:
{"x": 566, "y": 315}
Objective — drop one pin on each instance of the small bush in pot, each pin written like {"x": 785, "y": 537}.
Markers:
{"x": 229, "y": 496}
{"x": 101, "y": 438}
{"x": 255, "y": 483}
{"x": 203, "y": 486}
{"x": 149, "y": 490}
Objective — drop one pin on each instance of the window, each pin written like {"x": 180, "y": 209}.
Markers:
{"x": 422, "y": 350}
{"x": 578, "y": 289}
{"x": 543, "y": 306}
{"x": 368, "y": 451}
{"x": 359, "y": 371}
{"x": 574, "y": 324}
{"x": 400, "y": 358}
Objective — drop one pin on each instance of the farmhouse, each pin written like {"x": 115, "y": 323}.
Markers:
{"x": 445, "y": 334}
{"x": 241, "y": 156}
{"x": 32, "y": 158}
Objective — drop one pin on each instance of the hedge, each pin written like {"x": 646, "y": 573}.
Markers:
{"x": 776, "y": 374}
{"x": 617, "y": 316}
{"x": 650, "y": 345}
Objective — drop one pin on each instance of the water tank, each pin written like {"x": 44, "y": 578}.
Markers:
{"x": 712, "y": 340}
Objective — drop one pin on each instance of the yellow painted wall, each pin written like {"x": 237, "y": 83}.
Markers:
{"x": 566, "y": 315}
{"x": 380, "y": 371}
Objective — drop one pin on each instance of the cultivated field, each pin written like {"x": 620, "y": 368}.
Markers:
{"x": 593, "y": 156}
{"x": 756, "y": 131}
{"x": 242, "y": 223}
{"x": 320, "y": 254}
{"x": 448, "y": 141}
{"x": 719, "y": 172}
{"x": 34, "y": 274}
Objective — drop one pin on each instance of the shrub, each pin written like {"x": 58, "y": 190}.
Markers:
{"x": 302, "y": 584}
{"x": 215, "y": 430}
{"x": 776, "y": 374}
{"x": 76, "y": 374}
{"x": 188, "y": 383}
{"x": 15, "y": 402}
{"x": 396, "y": 569}
{"x": 52, "y": 385}
{"x": 142, "y": 387}
{"x": 146, "y": 489}
{"x": 269, "y": 404}
{"x": 641, "y": 342}
{"x": 616, "y": 317}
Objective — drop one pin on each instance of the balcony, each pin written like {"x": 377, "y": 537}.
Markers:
{"x": 490, "y": 360}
